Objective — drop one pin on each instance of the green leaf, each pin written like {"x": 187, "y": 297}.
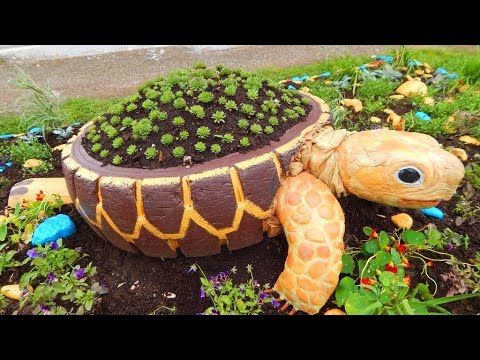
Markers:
{"x": 348, "y": 264}
{"x": 447, "y": 299}
{"x": 383, "y": 258}
{"x": 3, "y": 231}
{"x": 345, "y": 288}
{"x": 414, "y": 238}
{"x": 226, "y": 300}
{"x": 371, "y": 246}
{"x": 396, "y": 258}
{"x": 357, "y": 304}
{"x": 386, "y": 278}
{"x": 367, "y": 230}
{"x": 434, "y": 237}
{"x": 383, "y": 239}
{"x": 423, "y": 292}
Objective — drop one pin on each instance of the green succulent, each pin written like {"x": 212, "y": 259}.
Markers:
{"x": 110, "y": 131}
{"x": 142, "y": 129}
{"x": 178, "y": 121}
{"x": 167, "y": 97}
{"x": 167, "y": 139}
{"x": 117, "y": 160}
{"x": 203, "y": 132}
{"x": 179, "y": 94}
{"x": 230, "y": 90}
{"x": 131, "y": 107}
{"x": 152, "y": 94}
{"x": 218, "y": 117}
{"x": 198, "y": 111}
{"x": 215, "y": 148}
{"x": 268, "y": 130}
{"x": 260, "y": 115}
{"x": 304, "y": 101}
{"x": 231, "y": 105}
{"x": 104, "y": 153}
{"x": 132, "y": 150}
{"x": 127, "y": 121}
{"x": 227, "y": 138}
{"x": 291, "y": 114}
{"x": 256, "y": 128}
{"x": 183, "y": 135}
{"x": 243, "y": 123}
{"x": 244, "y": 142}
{"x": 149, "y": 104}
{"x": 117, "y": 143}
{"x": 95, "y": 138}
{"x": 96, "y": 147}
{"x": 205, "y": 97}
{"x": 179, "y": 103}
{"x": 247, "y": 109}
{"x": 252, "y": 94}
{"x": 299, "y": 110}
{"x": 178, "y": 152}
{"x": 273, "y": 121}
{"x": 200, "y": 146}
{"x": 115, "y": 120}
{"x": 222, "y": 100}
{"x": 151, "y": 152}
{"x": 198, "y": 83}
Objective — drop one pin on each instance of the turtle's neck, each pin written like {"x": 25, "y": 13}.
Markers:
{"x": 319, "y": 156}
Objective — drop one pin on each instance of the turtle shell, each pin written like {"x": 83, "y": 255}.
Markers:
{"x": 193, "y": 210}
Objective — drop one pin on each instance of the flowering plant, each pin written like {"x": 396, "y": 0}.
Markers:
{"x": 231, "y": 299}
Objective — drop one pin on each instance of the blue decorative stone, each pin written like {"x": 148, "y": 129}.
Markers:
{"x": 52, "y": 229}
{"x": 326, "y": 74}
{"x": 296, "y": 78}
{"x": 291, "y": 87}
{"x": 423, "y": 116}
{"x": 363, "y": 67}
{"x": 9, "y": 164}
{"x": 386, "y": 58}
{"x": 413, "y": 63}
{"x": 433, "y": 212}
{"x": 6, "y": 136}
{"x": 2, "y": 169}
{"x": 35, "y": 131}
{"x": 452, "y": 76}
{"x": 304, "y": 78}
{"x": 441, "y": 71}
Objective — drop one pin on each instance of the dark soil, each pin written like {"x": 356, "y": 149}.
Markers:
{"x": 192, "y": 123}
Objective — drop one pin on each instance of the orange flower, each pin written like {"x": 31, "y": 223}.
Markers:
{"x": 373, "y": 234}
{"x": 391, "y": 268}
{"x": 40, "y": 196}
{"x": 407, "y": 280}
{"x": 401, "y": 248}
{"x": 405, "y": 263}
{"x": 375, "y": 64}
{"x": 430, "y": 263}
{"x": 367, "y": 281}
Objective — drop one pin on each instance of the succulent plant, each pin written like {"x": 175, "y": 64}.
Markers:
{"x": 117, "y": 143}
{"x": 218, "y": 117}
{"x": 115, "y": 120}
{"x": 117, "y": 160}
{"x": 198, "y": 111}
{"x": 167, "y": 139}
{"x": 104, "y": 153}
{"x": 178, "y": 152}
{"x": 179, "y": 103}
{"x": 95, "y": 138}
{"x": 231, "y": 105}
{"x": 203, "y": 132}
{"x": 152, "y": 94}
{"x": 127, "y": 121}
{"x": 222, "y": 100}
{"x": 268, "y": 130}
{"x": 96, "y": 147}
{"x": 273, "y": 121}
{"x": 200, "y": 146}
{"x": 244, "y": 142}
{"x": 110, "y": 131}
{"x": 167, "y": 97}
{"x": 247, "y": 109}
{"x": 260, "y": 115}
{"x": 256, "y": 128}
{"x": 131, "y": 107}
{"x": 149, "y": 104}
{"x": 291, "y": 114}
{"x": 299, "y": 110}
{"x": 215, "y": 148}
{"x": 243, "y": 123}
{"x": 228, "y": 138}
{"x": 205, "y": 97}
{"x": 132, "y": 150}
{"x": 141, "y": 129}
{"x": 197, "y": 83}
{"x": 183, "y": 135}
{"x": 230, "y": 90}
{"x": 178, "y": 121}
{"x": 151, "y": 152}
{"x": 252, "y": 94}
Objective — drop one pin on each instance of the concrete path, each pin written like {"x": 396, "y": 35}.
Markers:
{"x": 118, "y": 73}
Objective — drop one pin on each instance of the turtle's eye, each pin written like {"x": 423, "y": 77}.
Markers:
{"x": 410, "y": 175}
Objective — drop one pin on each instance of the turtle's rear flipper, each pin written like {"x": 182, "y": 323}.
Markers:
{"x": 314, "y": 225}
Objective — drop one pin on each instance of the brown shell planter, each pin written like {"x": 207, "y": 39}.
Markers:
{"x": 196, "y": 210}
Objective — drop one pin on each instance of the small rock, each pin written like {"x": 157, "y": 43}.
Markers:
{"x": 434, "y": 212}
{"x": 32, "y": 163}
{"x": 423, "y": 116}
{"x": 412, "y": 88}
{"x": 59, "y": 147}
{"x": 305, "y": 89}
{"x": 460, "y": 153}
{"x": 313, "y": 78}
{"x": 469, "y": 140}
{"x": 169, "y": 295}
{"x": 353, "y": 103}
{"x": 334, "y": 312}
{"x": 428, "y": 100}
{"x": 120, "y": 285}
{"x": 13, "y": 291}
{"x": 419, "y": 72}
{"x": 397, "y": 97}
{"x": 408, "y": 77}
{"x": 402, "y": 221}
{"x": 132, "y": 287}
{"x": 428, "y": 71}
{"x": 136, "y": 282}
{"x": 395, "y": 119}
{"x": 52, "y": 229}
{"x": 375, "y": 120}
{"x": 427, "y": 76}
{"x": 328, "y": 82}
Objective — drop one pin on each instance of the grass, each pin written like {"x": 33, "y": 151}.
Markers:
{"x": 465, "y": 63}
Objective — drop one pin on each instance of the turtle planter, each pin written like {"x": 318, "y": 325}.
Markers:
{"x": 290, "y": 185}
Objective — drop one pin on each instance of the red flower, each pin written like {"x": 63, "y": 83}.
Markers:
{"x": 430, "y": 263}
{"x": 373, "y": 234}
{"x": 40, "y": 196}
{"x": 367, "y": 281}
{"x": 401, "y": 248}
{"x": 391, "y": 268}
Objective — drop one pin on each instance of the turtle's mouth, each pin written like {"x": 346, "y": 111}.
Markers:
{"x": 418, "y": 203}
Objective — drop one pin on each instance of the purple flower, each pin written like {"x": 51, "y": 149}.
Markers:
{"x": 51, "y": 277}
{"x": 215, "y": 312}
{"x": 263, "y": 296}
{"x": 449, "y": 246}
{"x": 79, "y": 273}
{"x": 202, "y": 293}
{"x": 255, "y": 284}
{"x": 222, "y": 276}
{"x": 45, "y": 309}
{"x": 32, "y": 253}
{"x": 275, "y": 304}
{"x": 54, "y": 245}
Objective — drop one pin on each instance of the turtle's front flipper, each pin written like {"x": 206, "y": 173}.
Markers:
{"x": 314, "y": 225}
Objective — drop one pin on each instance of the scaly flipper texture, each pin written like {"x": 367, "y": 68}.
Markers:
{"x": 314, "y": 225}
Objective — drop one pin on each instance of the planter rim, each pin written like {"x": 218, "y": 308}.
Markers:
{"x": 81, "y": 156}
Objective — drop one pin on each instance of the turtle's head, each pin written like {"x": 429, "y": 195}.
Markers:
{"x": 397, "y": 168}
